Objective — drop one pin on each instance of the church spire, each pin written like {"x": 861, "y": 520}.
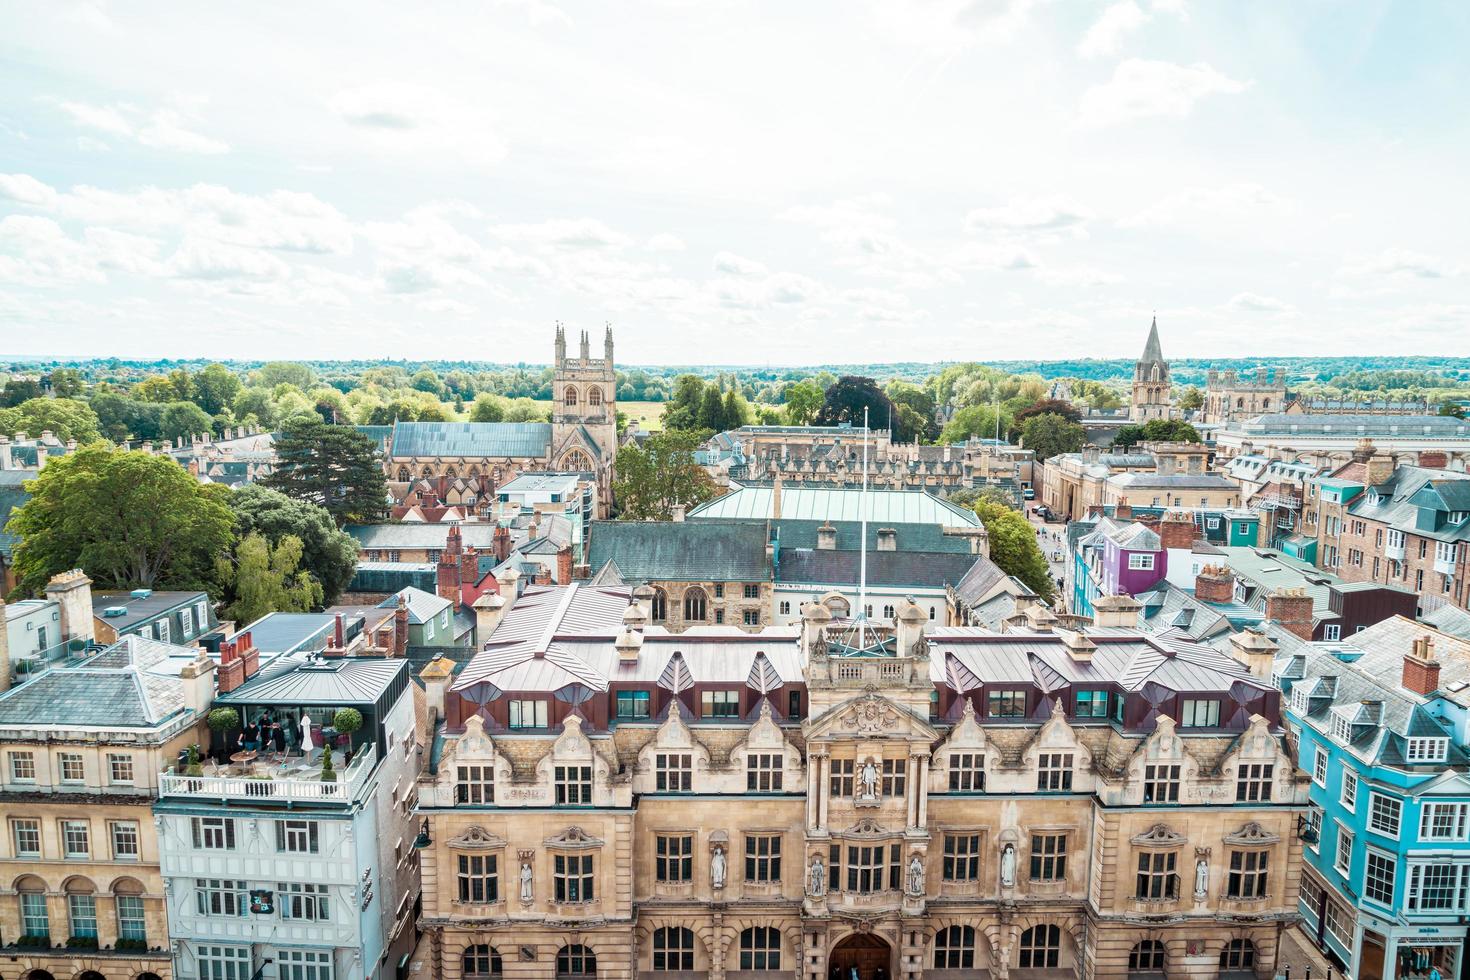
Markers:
{"x": 586, "y": 346}
{"x": 1152, "y": 352}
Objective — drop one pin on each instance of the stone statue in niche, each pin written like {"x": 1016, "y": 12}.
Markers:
{"x": 1008, "y": 864}
{"x": 717, "y": 868}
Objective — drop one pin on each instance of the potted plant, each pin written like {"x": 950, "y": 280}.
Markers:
{"x": 346, "y": 721}
{"x": 221, "y": 722}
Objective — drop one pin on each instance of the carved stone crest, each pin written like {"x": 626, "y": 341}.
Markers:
{"x": 871, "y": 716}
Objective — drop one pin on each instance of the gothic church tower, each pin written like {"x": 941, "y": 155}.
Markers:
{"x": 1151, "y": 390}
{"x": 584, "y": 420}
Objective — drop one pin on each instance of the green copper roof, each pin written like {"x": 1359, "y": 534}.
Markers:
{"x": 681, "y": 551}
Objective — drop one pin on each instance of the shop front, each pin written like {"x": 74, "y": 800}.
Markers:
{"x": 1393, "y": 952}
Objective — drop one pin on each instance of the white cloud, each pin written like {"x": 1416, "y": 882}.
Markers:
{"x": 27, "y": 190}
{"x": 167, "y": 131}
{"x": 1115, "y": 23}
{"x": 415, "y": 120}
{"x": 947, "y": 26}
{"x": 106, "y": 119}
{"x": 738, "y": 265}
{"x": 210, "y": 260}
{"x": 1032, "y": 215}
{"x": 1246, "y": 202}
{"x": 1142, "y": 89}
{"x": 1401, "y": 263}
{"x": 564, "y": 233}
{"x": 164, "y": 128}
{"x": 664, "y": 242}
{"x": 985, "y": 256}
{"x": 1255, "y": 303}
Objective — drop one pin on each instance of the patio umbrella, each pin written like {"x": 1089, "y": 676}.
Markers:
{"x": 763, "y": 679}
{"x": 307, "y": 739}
{"x": 677, "y": 678}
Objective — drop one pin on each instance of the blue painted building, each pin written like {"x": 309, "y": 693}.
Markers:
{"x": 1381, "y": 720}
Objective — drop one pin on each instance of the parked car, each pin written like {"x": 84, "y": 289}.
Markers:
{"x": 1028, "y": 493}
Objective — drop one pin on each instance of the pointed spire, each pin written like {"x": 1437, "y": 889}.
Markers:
{"x": 1152, "y": 352}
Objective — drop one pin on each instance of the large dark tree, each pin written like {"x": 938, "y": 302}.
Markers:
{"x": 846, "y": 399}
{"x": 660, "y": 475}
{"x": 1049, "y": 435}
{"x": 328, "y": 554}
{"x": 1155, "y": 430}
{"x": 333, "y": 466}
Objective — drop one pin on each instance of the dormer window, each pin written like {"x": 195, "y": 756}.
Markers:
{"x": 1342, "y": 729}
{"x": 1427, "y": 749}
{"x": 1457, "y": 516}
{"x": 1299, "y": 699}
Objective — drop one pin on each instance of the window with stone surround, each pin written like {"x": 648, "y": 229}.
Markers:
{"x": 474, "y": 784}
{"x": 1054, "y": 772}
{"x": 1048, "y": 857}
{"x": 674, "y": 857}
{"x": 478, "y": 878}
{"x": 966, "y": 772}
{"x": 1253, "y": 782}
{"x": 1157, "y": 880}
{"x": 961, "y": 857}
{"x": 1247, "y": 877}
{"x": 673, "y": 772}
{"x": 1161, "y": 783}
{"x": 572, "y": 878}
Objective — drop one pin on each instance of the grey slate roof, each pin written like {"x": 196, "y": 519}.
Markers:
{"x": 838, "y": 504}
{"x": 682, "y": 551}
{"x": 794, "y": 533}
{"x": 141, "y": 610}
{"x": 329, "y": 682}
{"x": 916, "y": 569}
{"x": 508, "y": 439}
{"x": 12, "y": 496}
{"x": 422, "y": 606}
{"x": 417, "y": 535}
{"x": 131, "y": 684}
{"x": 1397, "y": 501}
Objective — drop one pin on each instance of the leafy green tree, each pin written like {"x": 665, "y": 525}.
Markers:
{"x": 487, "y": 408}
{"x": 328, "y": 553}
{"x": 262, "y": 579}
{"x": 215, "y": 388}
{"x": 283, "y": 372}
{"x": 182, "y": 420}
{"x": 735, "y": 409}
{"x": 915, "y": 412}
{"x": 329, "y": 404}
{"x": 426, "y": 380}
{"x": 974, "y": 422}
{"x": 845, "y": 400}
{"x": 527, "y": 410}
{"x": 803, "y": 399}
{"x": 1191, "y": 398}
{"x": 121, "y": 417}
{"x": 1155, "y": 430}
{"x": 970, "y": 496}
{"x": 686, "y": 407}
{"x": 130, "y": 519}
{"x": 65, "y": 418}
{"x": 66, "y": 383}
{"x": 1013, "y": 547}
{"x": 18, "y": 390}
{"x": 1048, "y": 435}
{"x": 712, "y": 410}
{"x": 256, "y": 402}
{"x": 332, "y": 466}
{"x": 660, "y": 475}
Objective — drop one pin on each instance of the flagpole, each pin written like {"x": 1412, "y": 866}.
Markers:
{"x": 863, "y": 559}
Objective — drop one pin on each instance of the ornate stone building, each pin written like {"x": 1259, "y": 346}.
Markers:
{"x": 613, "y": 800}
{"x": 1229, "y": 396}
{"x": 1152, "y": 398}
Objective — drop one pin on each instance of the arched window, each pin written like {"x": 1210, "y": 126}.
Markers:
{"x": 480, "y": 961}
{"x": 954, "y": 948}
{"x": 569, "y": 397}
{"x": 39, "y": 975}
{"x": 1238, "y": 954}
{"x": 1265, "y": 403}
{"x": 35, "y": 920}
{"x": 594, "y": 396}
{"x": 576, "y": 960}
{"x": 132, "y": 921}
{"x": 1041, "y": 947}
{"x": 760, "y": 948}
{"x": 428, "y": 473}
{"x": 90, "y": 975}
{"x": 451, "y": 473}
{"x": 694, "y": 603}
{"x": 1146, "y": 957}
{"x": 660, "y": 605}
{"x": 148, "y": 976}
{"x": 403, "y": 475}
{"x": 81, "y": 908}
{"x": 1240, "y": 403}
{"x": 673, "y": 948}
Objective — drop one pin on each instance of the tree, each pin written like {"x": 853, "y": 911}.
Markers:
{"x": 66, "y": 383}
{"x": 803, "y": 399}
{"x": 328, "y": 554}
{"x": 18, "y": 390}
{"x": 845, "y": 400}
{"x": 487, "y": 408}
{"x": 121, "y": 417}
{"x": 427, "y": 381}
{"x": 130, "y": 519}
{"x": 283, "y": 372}
{"x": 734, "y": 410}
{"x": 685, "y": 408}
{"x": 332, "y": 466}
{"x": 182, "y": 420}
{"x": 65, "y": 418}
{"x": 1013, "y": 547}
{"x": 264, "y": 579}
{"x": 215, "y": 388}
{"x": 970, "y": 496}
{"x": 1053, "y": 406}
{"x": 1155, "y": 430}
{"x": 1191, "y": 398}
{"x": 1048, "y": 435}
{"x": 255, "y": 402}
{"x": 660, "y": 475}
{"x": 918, "y": 423}
{"x": 974, "y": 422}
{"x": 527, "y": 410}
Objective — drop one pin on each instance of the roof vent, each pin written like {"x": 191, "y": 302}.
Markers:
{"x": 141, "y": 593}
{"x": 112, "y": 612}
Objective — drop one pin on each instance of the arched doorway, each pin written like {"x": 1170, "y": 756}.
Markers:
{"x": 861, "y": 956}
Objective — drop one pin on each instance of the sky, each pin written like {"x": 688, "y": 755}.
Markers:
{"x": 734, "y": 182}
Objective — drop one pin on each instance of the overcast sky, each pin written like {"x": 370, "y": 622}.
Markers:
{"x": 734, "y": 182}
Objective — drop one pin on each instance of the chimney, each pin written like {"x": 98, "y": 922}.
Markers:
{"x": 676, "y": 512}
{"x": 1215, "y": 583}
{"x": 827, "y": 537}
{"x": 1122, "y": 510}
{"x": 1380, "y": 467}
{"x": 231, "y": 667}
{"x": 909, "y": 622}
{"x": 535, "y": 527}
{"x": 1177, "y": 531}
{"x": 337, "y": 646}
{"x": 1040, "y": 619}
{"x": 489, "y": 611}
{"x": 1421, "y": 670}
{"x": 1165, "y": 464}
{"x": 776, "y": 498}
{"x": 1292, "y": 608}
{"x": 630, "y": 640}
{"x": 446, "y": 577}
{"x": 1079, "y": 647}
{"x": 1256, "y": 650}
{"x": 197, "y": 678}
{"x": 887, "y": 539}
{"x": 400, "y": 626}
{"x": 1433, "y": 459}
{"x": 814, "y": 619}
{"x": 249, "y": 655}
{"x": 1091, "y": 454}
{"x": 1116, "y": 611}
{"x": 500, "y": 543}
{"x": 72, "y": 592}
{"x": 436, "y": 675}
{"x": 469, "y": 567}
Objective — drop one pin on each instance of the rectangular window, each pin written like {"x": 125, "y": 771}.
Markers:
{"x": 1427, "y": 749}
{"x": 1342, "y": 729}
{"x": 1054, "y": 772}
{"x": 1319, "y": 767}
{"x": 27, "y": 836}
{"x": 528, "y": 713}
{"x": 673, "y": 772}
{"x": 1253, "y": 782}
{"x": 1092, "y": 704}
{"x": 304, "y": 902}
{"x": 1384, "y": 814}
{"x": 1200, "y": 714}
{"x": 1349, "y": 790}
{"x": 966, "y": 772}
{"x": 1437, "y": 887}
{"x": 132, "y": 923}
{"x": 763, "y": 772}
{"x": 219, "y": 896}
{"x": 1344, "y": 859}
{"x": 961, "y": 857}
{"x": 35, "y": 920}
{"x": 22, "y": 767}
{"x": 124, "y": 840}
{"x": 752, "y": 617}
{"x": 213, "y": 833}
{"x": 83, "y": 912}
{"x": 868, "y": 869}
{"x": 719, "y": 704}
{"x": 74, "y": 839}
{"x": 785, "y": 607}
{"x": 73, "y": 769}
{"x": 161, "y": 631}
{"x": 1333, "y": 631}
{"x": 1048, "y": 857}
{"x": 673, "y": 858}
{"x": 573, "y": 785}
{"x": 1140, "y": 563}
{"x": 186, "y": 622}
{"x": 1006, "y": 704}
{"x": 201, "y": 613}
{"x": 572, "y": 879}
{"x": 719, "y": 590}
{"x": 1161, "y": 784}
{"x": 1378, "y": 875}
{"x": 793, "y": 704}
{"x": 719, "y": 617}
{"x": 479, "y": 878}
{"x": 297, "y": 837}
{"x": 840, "y": 782}
{"x": 1444, "y": 821}
{"x": 633, "y": 704}
{"x": 474, "y": 784}
{"x": 302, "y": 964}
{"x": 1156, "y": 878}
{"x": 752, "y": 590}
{"x": 120, "y": 769}
{"x": 1247, "y": 878}
{"x": 762, "y": 857}
{"x": 894, "y": 777}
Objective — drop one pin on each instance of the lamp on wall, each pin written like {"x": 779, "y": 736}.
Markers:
{"x": 423, "y": 839}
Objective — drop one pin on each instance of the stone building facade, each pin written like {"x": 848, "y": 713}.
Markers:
{"x": 1152, "y": 397}
{"x": 1229, "y": 396}
{"x": 903, "y": 803}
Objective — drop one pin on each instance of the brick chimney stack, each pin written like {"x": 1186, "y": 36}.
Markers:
{"x": 1292, "y": 608}
{"x": 500, "y": 544}
{"x": 1177, "y": 531}
{"x": 1421, "y": 670}
{"x": 564, "y": 566}
{"x": 1215, "y": 583}
{"x": 1122, "y": 510}
{"x": 447, "y": 574}
{"x": 1380, "y": 467}
{"x": 400, "y": 628}
{"x": 231, "y": 667}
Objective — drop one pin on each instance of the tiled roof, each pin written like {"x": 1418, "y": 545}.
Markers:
{"x": 12, "y": 496}
{"x": 885, "y": 568}
{"x": 833, "y": 504}
{"x": 907, "y": 537}
{"x": 415, "y": 535}
{"x": 132, "y": 684}
{"x": 1396, "y": 502}
{"x": 422, "y": 606}
{"x": 310, "y": 681}
{"x": 510, "y": 439}
{"x": 682, "y": 551}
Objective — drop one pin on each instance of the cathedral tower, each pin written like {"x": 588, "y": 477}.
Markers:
{"x": 1151, "y": 390}
{"x": 584, "y": 418}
